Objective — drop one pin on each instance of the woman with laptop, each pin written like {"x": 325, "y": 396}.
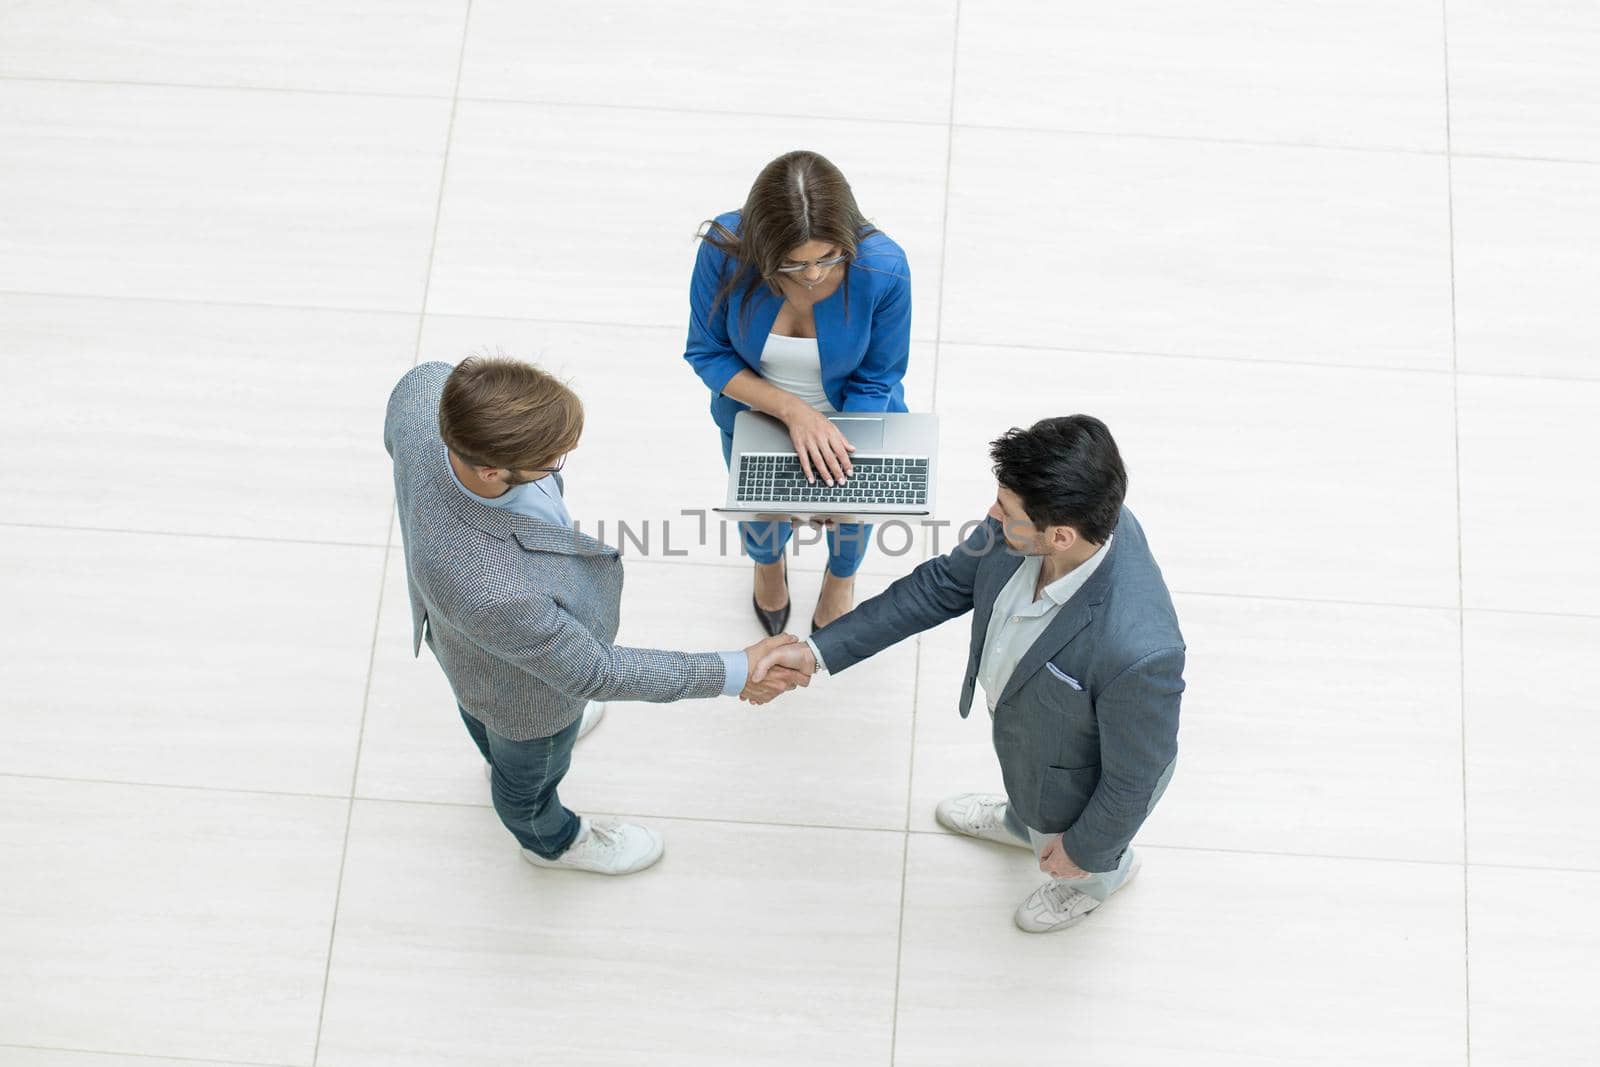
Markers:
{"x": 800, "y": 308}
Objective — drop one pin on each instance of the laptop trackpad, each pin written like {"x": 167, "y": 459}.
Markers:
{"x": 863, "y": 431}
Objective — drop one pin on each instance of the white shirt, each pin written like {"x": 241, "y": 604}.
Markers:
{"x": 794, "y": 365}
{"x": 1019, "y": 620}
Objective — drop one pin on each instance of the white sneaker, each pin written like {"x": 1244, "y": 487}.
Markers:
{"x": 592, "y": 714}
{"x": 1056, "y": 905}
{"x": 605, "y": 848}
{"x": 978, "y": 815}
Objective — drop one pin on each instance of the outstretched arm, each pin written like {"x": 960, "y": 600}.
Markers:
{"x": 937, "y": 591}
{"x": 542, "y": 638}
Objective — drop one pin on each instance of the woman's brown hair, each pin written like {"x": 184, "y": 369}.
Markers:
{"x": 798, "y": 197}
{"x": 499, "y": 412}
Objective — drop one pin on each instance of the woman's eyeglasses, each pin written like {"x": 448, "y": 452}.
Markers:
{"x": 820, "y": 264}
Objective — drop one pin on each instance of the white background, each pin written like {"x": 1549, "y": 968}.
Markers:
{"x": 1328, "y": 270}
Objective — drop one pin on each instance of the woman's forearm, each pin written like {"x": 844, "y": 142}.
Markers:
{"x": 748, "y": 387}
{"x": 823, "y": 450}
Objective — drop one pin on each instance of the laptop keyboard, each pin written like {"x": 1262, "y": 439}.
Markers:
{"x": 776, "y": 476}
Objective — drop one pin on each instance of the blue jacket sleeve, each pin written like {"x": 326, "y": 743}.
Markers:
{"x": 709, "y": 350}
{"x": 888, "y": 349}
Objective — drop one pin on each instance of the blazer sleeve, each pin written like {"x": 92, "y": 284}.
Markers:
{"x": 709, "y": 350}
{"x": 538, "y": 635}
{"x": 1138, "y": 719}
{"x": 937, "y": 591}
{"x": 883, "y": 366}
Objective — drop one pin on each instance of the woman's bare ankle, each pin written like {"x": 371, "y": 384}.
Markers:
{"x": 838, "y": 597}
{"x": 772, "y": 587}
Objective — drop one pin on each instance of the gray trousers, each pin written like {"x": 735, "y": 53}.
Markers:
{"x": 1101, "y": 885}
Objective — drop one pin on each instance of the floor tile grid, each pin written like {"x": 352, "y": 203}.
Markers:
{"x": 801, "y": 115}
{"x": 916, "y": 678}
{"x": 1175, "y": 355}
{"x": 296, "y": 89}
{"x": 132, "y": 1059}
{"x": 1461, "y": 612}
{"x": 416, "y": 348}
{"x": 907, "y": 829}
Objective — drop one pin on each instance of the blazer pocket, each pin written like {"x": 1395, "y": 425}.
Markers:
{"x": 1063, "y": 794}
{"x": 1062, "y": 676}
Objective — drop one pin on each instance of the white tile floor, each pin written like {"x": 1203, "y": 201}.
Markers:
{"x": 1327, "y": 269}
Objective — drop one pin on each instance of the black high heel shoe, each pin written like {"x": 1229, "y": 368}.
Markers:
{"x": 774, "y": 621}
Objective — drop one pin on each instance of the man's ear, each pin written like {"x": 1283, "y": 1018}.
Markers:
{"x": 1064, "y": 538}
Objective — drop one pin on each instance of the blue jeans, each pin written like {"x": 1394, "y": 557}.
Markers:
{"x": 524, "y": 782}
{"x": 764, "y": 542}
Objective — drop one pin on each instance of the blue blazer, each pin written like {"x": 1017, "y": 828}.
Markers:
{"x": 864, "y": 353}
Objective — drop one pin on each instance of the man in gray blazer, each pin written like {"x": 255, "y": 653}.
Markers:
{"x": 1076, "y": 646}
{"x": 520, "y": 608}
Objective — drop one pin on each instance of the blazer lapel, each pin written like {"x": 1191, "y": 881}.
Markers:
{"x": 752, "y": 338}
{"x": 1074, "y": 616}
{"x": 1069, "y": 622}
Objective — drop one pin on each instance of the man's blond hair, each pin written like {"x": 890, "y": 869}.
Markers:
{"x": 500, "y": 412}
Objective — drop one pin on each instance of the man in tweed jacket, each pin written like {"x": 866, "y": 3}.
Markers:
{"x": 519, "y": 608}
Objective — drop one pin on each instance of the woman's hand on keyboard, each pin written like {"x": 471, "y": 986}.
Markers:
{"x": 824, "y": 451}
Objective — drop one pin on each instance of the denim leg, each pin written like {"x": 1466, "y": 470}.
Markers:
{"x": 479, "y": 732}
{"x": 526, "y": 774}
{"x": 847, "y": 547}
{"x": 763, "y": 541}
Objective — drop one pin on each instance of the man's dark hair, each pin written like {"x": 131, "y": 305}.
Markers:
{"x": 1066, "y": 471}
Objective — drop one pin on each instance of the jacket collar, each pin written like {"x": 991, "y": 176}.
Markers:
{"x": 531, "y": 534}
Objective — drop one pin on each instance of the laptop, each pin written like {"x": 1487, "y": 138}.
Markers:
{"x": 895, "y": 468}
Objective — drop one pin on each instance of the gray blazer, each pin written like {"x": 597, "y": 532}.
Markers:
{"x": 520, "y": 613}
{"x": 1088, "y": 763}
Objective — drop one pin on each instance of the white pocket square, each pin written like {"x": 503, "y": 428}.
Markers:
{"x": 1064, "y": 676}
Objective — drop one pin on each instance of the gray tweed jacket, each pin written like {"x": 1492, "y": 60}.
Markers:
{"x": 1087, "y": 727}
{"x": 519, "y": 613}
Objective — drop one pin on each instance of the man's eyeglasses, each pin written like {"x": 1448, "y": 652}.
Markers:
{"x": 562, "y": 462}
{"x": 820, "y": 264}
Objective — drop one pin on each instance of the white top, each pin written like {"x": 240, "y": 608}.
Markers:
{"x": 1019, "y": 620}
{"x": 794, "y": 365}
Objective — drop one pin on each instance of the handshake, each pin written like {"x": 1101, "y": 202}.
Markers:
{"x": 777, "y": 665}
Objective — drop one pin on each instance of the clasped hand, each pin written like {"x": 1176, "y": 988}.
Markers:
{"x": 777, "y": 665}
